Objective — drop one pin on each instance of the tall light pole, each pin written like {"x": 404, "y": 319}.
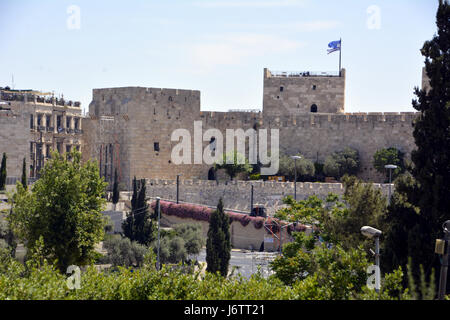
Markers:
{"x": 445, "y": 251}
{"x": 371, "y": 232}
{"x": 158, "y": 210}
{"x": 390, "y": 167}
{"x": 178, "y": 185}
{"x": 295, "y": 181}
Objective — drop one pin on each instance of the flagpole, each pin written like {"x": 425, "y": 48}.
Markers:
{"x": 340, "y": 53}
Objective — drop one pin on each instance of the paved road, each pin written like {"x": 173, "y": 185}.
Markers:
{"x": 246, "y": 261}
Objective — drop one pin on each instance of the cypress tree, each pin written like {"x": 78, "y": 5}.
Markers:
{"x": 419, "y": 209}
{"x": 218, "y": 244}
{"x": 115, "y": 195}
{"x": 139, "y": 224}
{"x": 24, "y": 174}
{"x": 3, "y": 173}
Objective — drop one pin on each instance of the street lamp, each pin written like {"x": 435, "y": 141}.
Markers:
{"x": 390, "y": 167}
{"x": 178, "y": 185}
{"x": 371, "y": 232}
{"x": 295, "y": 181}
{"x": 158, "y": 210}
{"x": 445, "y": 252}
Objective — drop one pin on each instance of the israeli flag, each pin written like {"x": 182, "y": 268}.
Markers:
{"x": 334, "y": 46}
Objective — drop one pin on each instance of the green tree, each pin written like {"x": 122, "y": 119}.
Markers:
{"x": 140, "y": 225}
{"x": 116, "y": 194}
{"x": 218, "y": 243}
{"x": 421, "y": 203}
{"x": 234, "y": 163}
{"x": 123, "y": 252}
{"x": 63, "y": 209}
{"x": 389, "y": 156}
{"x": 3, "y": 173}
{"x": 24, "y": 174}
{"x": 343, "y": 162}
{"x": 305, "y": 168}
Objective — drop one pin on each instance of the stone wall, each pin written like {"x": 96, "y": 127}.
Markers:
{"x": 14, "y": 141}
{"x": 237, "y": 194}
{"x": 131, "y": 128}
{"x": 296, "y": 93}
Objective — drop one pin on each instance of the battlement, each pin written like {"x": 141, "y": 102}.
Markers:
{"x": 299, "y": 74}
{"x": 141, "y": 92}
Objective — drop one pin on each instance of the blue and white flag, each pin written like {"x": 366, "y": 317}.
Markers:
{"x": 334, "y": 46}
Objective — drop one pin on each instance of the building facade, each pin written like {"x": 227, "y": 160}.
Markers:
{"x": 32, "y": 125}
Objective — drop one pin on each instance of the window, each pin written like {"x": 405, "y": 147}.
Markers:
{"x": 281, "y": 89}
{"x": 77, "y": 126}
{"x": 39, "y": 120}
{"x": 68, "y": 122}
{"x": 156, "y": 146}
{"x": 314, "y": 108}
{"x": 48, "y": 120}
{"x": 31, "y": 121}
{"x": 314, "y": 87}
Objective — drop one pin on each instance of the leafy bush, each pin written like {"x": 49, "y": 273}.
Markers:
{"x": 343, "y": 162}
{"x": 305, "y": 168}
{"x": 389, "y": 156}
{"x": 123, "y": 252}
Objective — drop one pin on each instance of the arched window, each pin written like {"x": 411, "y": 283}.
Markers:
{"x": 314, "y": 108}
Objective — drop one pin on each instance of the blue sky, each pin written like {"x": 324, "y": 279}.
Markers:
{"x": 219, "y": 47}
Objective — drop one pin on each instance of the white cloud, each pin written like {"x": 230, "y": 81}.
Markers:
{"x": 250, "y": 4}
{"x": 235, "y": 49}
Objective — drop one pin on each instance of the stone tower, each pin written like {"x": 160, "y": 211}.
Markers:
{"x": 290, "y": 93}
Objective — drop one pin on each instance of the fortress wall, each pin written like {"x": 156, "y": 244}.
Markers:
{"x": 145, "y": 119}
{"x": 237, "y": 194}
{"x": 15, "y": 140}
{"x": 296, "y": 94}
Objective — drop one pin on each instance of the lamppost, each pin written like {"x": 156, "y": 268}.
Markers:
{"x": 158, "y": 210}
{"x": 390, "y": 167}
{"x": 178, "y": 185}
{"x": 295, "y": 181}
{"x": 443, "y": 248}
{"x": 371, "y": 232}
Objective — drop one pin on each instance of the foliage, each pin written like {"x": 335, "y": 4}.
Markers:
{"x": 234, "y": 163}
{"x": 3, "y": 173}
{"x": 431, "y": 165}
{"x": 116, "y": 194}
{"x": 185, "y": 239}
{"x": 218, "y": 244}
{"x": 305, "y": 168}
{"x": 24, "y": 174}
{"x": 343, "y": 162}
{"x": 63, "y": 209}
{"x": 192, "y": 235}
{"x": 389, "y": 156}
{"x": 123, "y": 252}
{"x": 140, "y": 225}
{"x": 255, "y": 176}
{"x": 336, "y": 272}
{"x": 364, "y": 205}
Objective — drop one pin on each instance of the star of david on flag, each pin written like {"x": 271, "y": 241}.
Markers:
{"x": 334, "y": 46}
